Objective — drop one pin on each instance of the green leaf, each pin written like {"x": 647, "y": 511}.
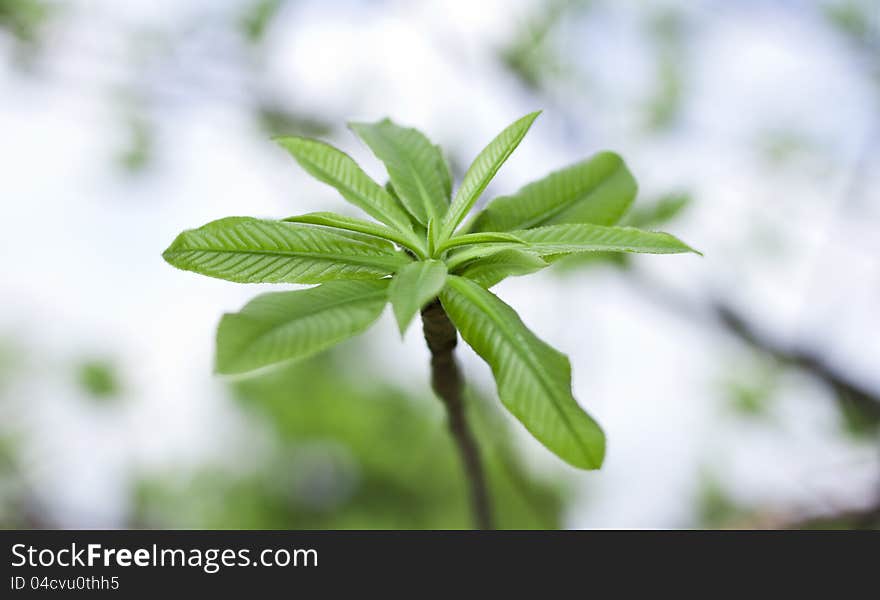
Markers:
{"x": 416, "y": 167}
{"x": 599, "y": 190}
{"x": 573, "y": 239}
{"x": 413, "y": 287}
{"x": 328, "y": 219}
{"x": 477, "y": 238}
{"x": 461, "y": 256}
{"x": 338, "y": 169}
{"x": 432, "y": 235}
{"x": 555, "y": 241}
{"x": 482, "y": 170}
{"x": 286, "y": 326}
{"x": 250, "y": 250}
{"x": 533, "y": 379}
{"x": 489, "y": 270}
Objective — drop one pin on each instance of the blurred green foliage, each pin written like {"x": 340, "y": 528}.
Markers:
{"x": 666, "y": 33}
{"x": 786, "y": 147}
{"x": 17, "y": 507}
{"x": 9, "y": 505}
{"x": 858, "y": 21}
{"x": 99, "y": 379}
{"x": 10, "y": 361}
{"x": 257, "y": 17}
{"x": 25, "y": 23}
{"x": 715, "y": 507}
{"x": 531, "y": 53}
{"x": 23, "y": 19}
{"x": 138, "y": 150}
{"x": 853, "y": 18}
{"x": 750, "y": 392}
{"x": 350, "y": 452}
{"x": 856, "y": 420}
{"x": 275, "y": 120}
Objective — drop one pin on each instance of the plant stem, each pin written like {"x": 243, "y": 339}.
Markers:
{"x": 441, "y": 336}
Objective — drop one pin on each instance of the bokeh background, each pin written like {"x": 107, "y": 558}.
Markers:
{"x": 741, "y": 389}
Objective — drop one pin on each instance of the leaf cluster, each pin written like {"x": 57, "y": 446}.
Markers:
{"x": 420, "y": 245}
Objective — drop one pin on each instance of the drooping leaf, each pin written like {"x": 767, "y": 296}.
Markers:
{"x": 416, "y": 167}
{"x": 338, "y": 169}
{"x": 328, "y": 219}
{"x": 599, "y": 190}
{"x": 554, "y": 240}
{"x": 286, "y": 326}
{"x": 413, "y": 287}
{"x": 490, "y": 270}
{"x": 250, "y": 250}
{"x": 482, "y": 170}
{"x": 533, "y": 379}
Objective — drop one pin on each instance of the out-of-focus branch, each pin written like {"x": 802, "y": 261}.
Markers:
{"x": 850, "y": 394}
{"x": 850, "y": 518}
{"x": 730, "y": 321}
{"x": 847, "y": 389}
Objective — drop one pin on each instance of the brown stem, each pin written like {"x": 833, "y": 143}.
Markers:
{"x": 446, "y": 380}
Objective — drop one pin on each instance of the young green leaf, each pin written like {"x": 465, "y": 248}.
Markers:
{"x": 477, "y": 238}
{"x": 554, "y": 241}
{"x": 482, "y": 170}
{"x": 462, "y": 256}
{"x": 413, "y": 287}
{"x": 286, "y": 326}
{"x": 338, "y": 169}
{"x": 328, "y": 219}
{"x": 533, "y": 379}
{"x": 573, "y": 239}
{"x": 432, "y": 235}
{"x": 599, "y": 190}
{"x": 250, "y": 250}
{"x": 492, "y": 269}
{"x": 416, "y": 166}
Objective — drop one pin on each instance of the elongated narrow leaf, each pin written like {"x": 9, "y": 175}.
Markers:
{"x": 415, "y": 165}
{"x": 413, "y": 287}
{"x": 573, "y": 239}
{"x": 483, "y": 169}
{"x": 555, "y": 241}
{"x": 328, "y": 219}
{"x": 533, "y": 379}
{"x": 250, "y": 250}
{"x": 489, "y": 270}
{"x": 599, "y": 191}
{"x": 338, "y": 169}
{"x": 478, "y": 238}
{"x": 286, "y": 326}
{"x": 432, "y": 235}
